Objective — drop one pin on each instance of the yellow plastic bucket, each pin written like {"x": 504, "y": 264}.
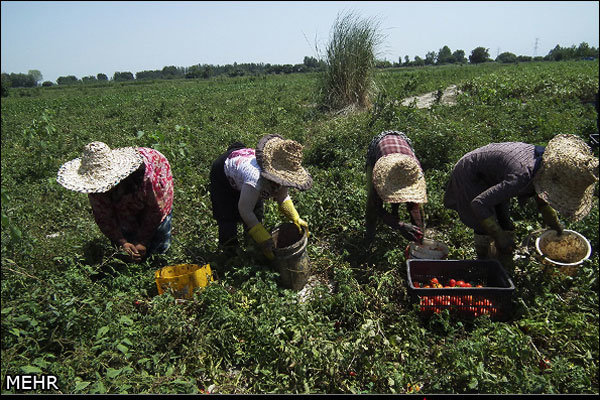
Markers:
{"x": 183, "y": 279}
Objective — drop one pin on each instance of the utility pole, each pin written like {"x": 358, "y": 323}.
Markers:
{"x": 535, "y": 47}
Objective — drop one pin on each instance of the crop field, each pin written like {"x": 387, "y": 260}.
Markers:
{"x": 73, "y": 309}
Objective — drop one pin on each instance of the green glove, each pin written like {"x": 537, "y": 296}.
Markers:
{"x": 287, "y": 208}
{"x": 264, "y": 240}
{"x": 550, "y": 218}
{"x": 504, "y": 241}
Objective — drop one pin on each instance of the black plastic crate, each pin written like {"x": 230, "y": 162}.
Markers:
{"x": 494, "y": 298}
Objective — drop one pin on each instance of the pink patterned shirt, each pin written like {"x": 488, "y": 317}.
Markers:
{"x": 141, "y": 211}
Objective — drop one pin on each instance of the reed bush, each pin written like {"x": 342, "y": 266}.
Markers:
{"x": 350, "y": 63}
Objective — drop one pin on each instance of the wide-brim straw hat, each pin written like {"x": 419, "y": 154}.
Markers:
{"x": 280, "y": 161}
{"x": 99, "y": 169}
{"x": 567, "y": 176}
{"x": 398, "y": 178}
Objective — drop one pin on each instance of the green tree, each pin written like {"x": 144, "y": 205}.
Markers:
{"x": 22, "y": 80}
{"x": 430, "y": 58}
{"x": 102, "y": 77}
{"x": 479, "y": 55}
{"x": 419, "y": 62}
{"x": 123, "y": 76}
{"x": 36, "y": 75}
{"x": 584, "y": 51}
{"x": 311, "y": 62}
{"x": 506, "y": 58}
{"x": 5, "y": 84}
{"x": 67, "y": 80}
{"x": 459, "y": 57}
{"x": 444, "y": 56}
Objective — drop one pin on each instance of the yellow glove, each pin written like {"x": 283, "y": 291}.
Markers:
{"x": 504, "y": 241}
{"x": 287, "y": 208}
{"x": 264, "y": 240}
{"x": 550, "y": 218}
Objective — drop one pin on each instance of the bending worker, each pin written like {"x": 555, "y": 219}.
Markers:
{"x": 560, "y": 177}
{"x": 131, "y": 193}
{"x": 243, "y": 177}
{"x": 394, "y": 176}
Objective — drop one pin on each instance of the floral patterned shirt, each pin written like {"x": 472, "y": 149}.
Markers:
{"x": 141, "y": 211}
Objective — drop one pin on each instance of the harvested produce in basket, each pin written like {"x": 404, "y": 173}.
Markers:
{"x": 434, "y": 283}
{"x": 468, "y": 305}
{"x": 566, "y": 248}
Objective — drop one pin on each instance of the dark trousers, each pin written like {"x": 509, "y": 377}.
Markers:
{"x": 224, "y": 199}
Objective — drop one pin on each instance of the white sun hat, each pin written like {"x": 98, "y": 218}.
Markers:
{"x": 99, "y": 169}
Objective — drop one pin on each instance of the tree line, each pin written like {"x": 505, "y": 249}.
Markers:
{"x": 310, "y": 64}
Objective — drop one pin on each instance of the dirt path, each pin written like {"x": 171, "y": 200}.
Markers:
{"x": 428, "y": 99}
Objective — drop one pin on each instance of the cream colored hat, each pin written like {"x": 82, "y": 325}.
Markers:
{"x": 99, "y": 169}
{"x": 398, "y": 178}
{"x": 280, "y": 161}
{"x": 567, "y": 176}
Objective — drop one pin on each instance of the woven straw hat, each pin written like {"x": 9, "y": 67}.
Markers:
{"x": 567, "y": 176}
{"x": 398, "y": 178}
{"x": 280, "y": 161}
{"x": 99, "y": 169}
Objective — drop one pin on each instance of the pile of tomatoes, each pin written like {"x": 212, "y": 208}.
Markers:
{"x": 434, "y": 283}
{"x": 465, "y": 304}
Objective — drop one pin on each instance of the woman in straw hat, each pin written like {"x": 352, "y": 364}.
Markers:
{"x": 394, "y": 175}
{"x": 560, "y": 176}
{"x": 241, "y": 178}
{"x": 131, "y": 194}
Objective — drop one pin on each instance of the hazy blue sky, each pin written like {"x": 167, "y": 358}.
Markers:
{"x": 85, "y": 38}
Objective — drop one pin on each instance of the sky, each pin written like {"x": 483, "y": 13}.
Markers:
{"x": 80, "y": 38}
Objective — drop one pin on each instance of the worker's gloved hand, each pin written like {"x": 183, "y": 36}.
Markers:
{"x": 287, "y": 208}
{"x": 550, "y": 218}
{"x": 504, "y": 240}
{"x": 409, "y": 231}
{"x": 263, "y": 239}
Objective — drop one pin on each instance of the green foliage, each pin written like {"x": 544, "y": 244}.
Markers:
{"x": 479, "y": 55}
{"x": 506, "y": 57}
{"x": 584, "y": 50}
{"x": 123, "y": 76}
{"x": 67, "y": 80}
{"x": 72, "y": 308}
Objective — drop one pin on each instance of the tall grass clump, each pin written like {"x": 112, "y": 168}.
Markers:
{"x": 350, "y": 63}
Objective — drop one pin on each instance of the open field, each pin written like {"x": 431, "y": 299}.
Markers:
{"x": 68, "y": 303}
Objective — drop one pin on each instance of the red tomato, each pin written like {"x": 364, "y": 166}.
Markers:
{"x": 545, "y": 363}
{"x": 452, "y": 283}
{"x": 434, "y": 281}
{"x": 467, "y": 284}
{"x": 416, "y": 284}
{"x": 460, "y": 283}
